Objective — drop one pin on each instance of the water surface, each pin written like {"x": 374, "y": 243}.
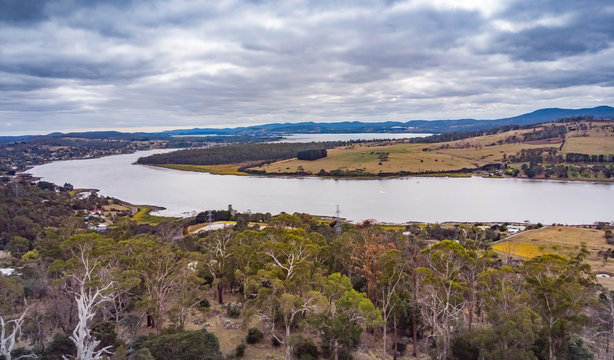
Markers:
{"x": 390, "y": 200}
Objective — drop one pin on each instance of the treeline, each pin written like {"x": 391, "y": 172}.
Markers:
{"x": 312, "y": 154}
{"x": 586, "y": 158}
{"x": 238, "y": 153}
{"x": 228, "y": 215}
{"x": 547, "y": 132}
{"x": 538, "y": 155}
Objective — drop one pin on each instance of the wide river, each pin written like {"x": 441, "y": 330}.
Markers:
{"x": 394, "y": 200}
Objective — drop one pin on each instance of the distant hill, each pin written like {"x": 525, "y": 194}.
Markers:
{"x": 417, "y": 126}
{"x": 424, "y": 126}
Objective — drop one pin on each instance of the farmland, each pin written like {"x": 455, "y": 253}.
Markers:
{"x": 509, "y": 149}
{"x": 562, "y": 240}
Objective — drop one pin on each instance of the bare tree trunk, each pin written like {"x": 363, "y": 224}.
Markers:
{"x": 336, "y": 351}
{"x": 414, "y": 326}
{"x": 396, "y": 340}
{"x": 385, "y": 332}
{"x": 220, "y": 289}
{"x": 288, "y": 344}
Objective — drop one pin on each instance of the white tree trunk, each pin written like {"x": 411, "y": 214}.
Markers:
{"x": 7, "y": 342}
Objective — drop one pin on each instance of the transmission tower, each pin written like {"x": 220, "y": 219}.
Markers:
{"x": 209, "y": 216}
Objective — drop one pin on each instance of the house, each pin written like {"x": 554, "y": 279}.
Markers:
{"x": 515, "y": 229}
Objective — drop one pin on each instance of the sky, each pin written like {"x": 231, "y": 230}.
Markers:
{"x": 78, "y": 65}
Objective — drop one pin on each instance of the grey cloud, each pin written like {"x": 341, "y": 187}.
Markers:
{"x": 586, "y": 28}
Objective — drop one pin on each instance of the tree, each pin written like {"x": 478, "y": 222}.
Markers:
{"x": 10, "y": 331}
{"x": 159, "y": 266}
{"x": 217, "y": 249}
{"x": 367, "y": 246}
{"x": 392, "y": 267}
{"x": 18, "y": 246}
{"x": 286, "y": 284}
{"x": 348, "y": 311}
{"x": 442, "y": 290}
{"x": 557, "y": 288}
{"x": 91, "y": 288}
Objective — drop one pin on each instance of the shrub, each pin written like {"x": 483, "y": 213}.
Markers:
{"x": 204, "y": 303}
{"x": 187, "y": 345}
{"x": 233, "y": 310}
{"x": 240, "y": 350}
{"x": 304, "y": 348}
{"x": 254, "y": 336}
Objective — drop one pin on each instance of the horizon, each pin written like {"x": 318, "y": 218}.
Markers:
{"x": 154, "y": 129}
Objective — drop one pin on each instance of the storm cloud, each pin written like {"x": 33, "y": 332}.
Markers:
{"x": 71, "y": 64}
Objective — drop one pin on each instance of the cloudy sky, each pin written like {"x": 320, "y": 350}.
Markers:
{"x": 67, "y": 64}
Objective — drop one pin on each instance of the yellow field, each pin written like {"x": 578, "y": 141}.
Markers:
{"x": 225, "y": 169}
{"x": 522, "y": 250}
{"x": 562, "y": 240}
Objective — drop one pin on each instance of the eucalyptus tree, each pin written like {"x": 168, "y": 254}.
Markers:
{"x": 392, "y": 274}
{"x": 286, "y": 286}
{"x": 218, "y": 249}
{"x": 347, "y": 313}
{"x": 559, "y": 290}
{"x": 165, "y": 274}
{"x": 442, "y": 291}
{"x": 88, "y": 275}
{"x": 10, "y": 333}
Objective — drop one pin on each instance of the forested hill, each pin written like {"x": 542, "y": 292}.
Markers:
{"x": 424, "y": 126}
{"x": 236, "y": 153}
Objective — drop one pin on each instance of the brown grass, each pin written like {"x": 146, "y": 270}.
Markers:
{"x": 225, "y": 169}
{"x": 593, "y": 141}
{"x": 439, "y": 157}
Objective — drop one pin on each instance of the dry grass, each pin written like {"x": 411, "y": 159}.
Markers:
{"x": 225, "y": 169}
{"x": 594, "y": 141}
{"x": 439, "y": 157}
{"x": 563, "y": 240}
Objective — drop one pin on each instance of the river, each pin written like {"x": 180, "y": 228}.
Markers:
{"x": 396, "y": 200}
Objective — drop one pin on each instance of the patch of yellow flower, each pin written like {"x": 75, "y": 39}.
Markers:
{"x": 523, "y": 250}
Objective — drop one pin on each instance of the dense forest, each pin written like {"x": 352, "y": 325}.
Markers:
{"x": 310, "y": 287}
{"x": 238, "y": 153}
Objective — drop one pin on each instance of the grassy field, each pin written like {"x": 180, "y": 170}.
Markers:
{"x": 143, "y": 216}
{"x": 226, "y": 169}
{"x": 561, "y": 240}
{"x": 439, "y": 157}
{"x": 601, "y": 142}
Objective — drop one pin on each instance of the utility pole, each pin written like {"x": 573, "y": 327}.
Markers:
{"x": 338, "y": 229}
